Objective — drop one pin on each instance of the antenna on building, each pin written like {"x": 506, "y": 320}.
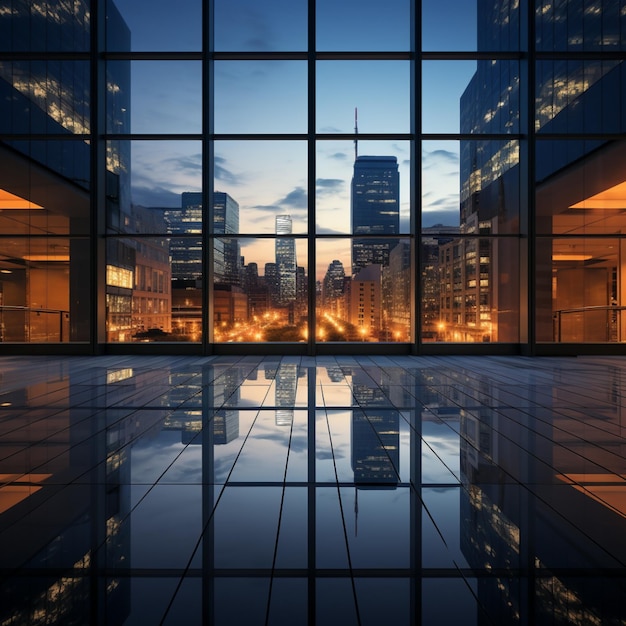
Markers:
{"x": 356, "y": 134}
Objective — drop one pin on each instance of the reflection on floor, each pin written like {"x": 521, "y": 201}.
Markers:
{"x": 334, "y": 490}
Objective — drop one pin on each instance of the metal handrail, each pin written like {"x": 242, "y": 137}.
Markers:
{"x": 8, "y": 308}
{"x": 558, "y": 314}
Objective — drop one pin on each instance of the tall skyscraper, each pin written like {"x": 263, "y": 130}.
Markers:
{"x": 285, "y": 260}
{"x": 186, "y": 252}
{"x": 227, "y": 250}
{"x": 375, "y": 209}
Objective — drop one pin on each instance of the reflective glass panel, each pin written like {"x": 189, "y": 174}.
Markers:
{"x": 579, "y": 96}
{"x": 363, "y": 187}
{"x": 379, "y": 90}
{"x": 45, "y": 25}
{"x": 260, "y": 288}
{"x": 265, "y": 179}
{"x": 154, "y": 97}
{"x": 44, "y": 289}
{"x": 45, "y": 97}
{"x": 575, "y": 26}
{"x": 271, "y": 26}
{"x": 470, "y": 289}
{"x": 366, "y": 289}
{"x": 153, "y": 187}
{"x": 260, "y": 97}
{"x": 154, "y": 25}
{"x": 363, "y": 25}
{"x": 470, "y": 96}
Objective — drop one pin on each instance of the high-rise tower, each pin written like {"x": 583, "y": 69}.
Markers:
{"x": 285, "y": 260}
{"x": 375, "y": 209}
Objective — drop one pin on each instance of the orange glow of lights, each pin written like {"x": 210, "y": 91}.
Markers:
{"x": 10, "y": 495}
{"x": 571, "y": 257}
{"x": 11, "y": 201}
{"x": 611, "y": 198}
{"x": 609, "y": 490}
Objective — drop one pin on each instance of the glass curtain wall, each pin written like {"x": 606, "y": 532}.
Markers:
{"x": 312, "y": 173}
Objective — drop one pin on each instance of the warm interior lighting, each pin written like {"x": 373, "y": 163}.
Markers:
{"x": 57, "y": 258}
{"x": 611, "y": 198}
{"x": 11, "y": 201}
{"x": 607, "y": 489}
{"x": 571, "y": 257}
{"x": 13, "y": 494}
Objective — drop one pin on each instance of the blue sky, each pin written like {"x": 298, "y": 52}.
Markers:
{"x": 269, "y": 178}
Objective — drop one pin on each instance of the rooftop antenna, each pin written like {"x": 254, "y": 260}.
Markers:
{"x": 356, "y": 134}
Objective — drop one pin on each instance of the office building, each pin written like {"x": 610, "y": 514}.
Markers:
{"x": 200, "y": 426}
{"x": 375, "y": 209}
{"x": 285, "y": 261}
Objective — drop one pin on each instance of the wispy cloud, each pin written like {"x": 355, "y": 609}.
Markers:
{"x": 296, "y": 199}
{"x": 223, "y": 174}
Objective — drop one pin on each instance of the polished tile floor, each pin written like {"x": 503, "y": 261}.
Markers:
{"x": 335, "y": 490}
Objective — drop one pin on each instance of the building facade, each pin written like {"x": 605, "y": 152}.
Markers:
{"x": 496, "y": 217}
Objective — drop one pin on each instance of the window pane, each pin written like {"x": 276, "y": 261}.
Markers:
{"x": 44, "y": 188}
{"x": 47, "y": 25}
{"x": 370, "y": 304}
{"x": 579, "y": 96}
{"x": 273, "y": 25}
{"x": 470, "y": 97}
{"x": 363, "y": 25}
{"x": 45, "y": 97}
{"x": 44, "y": 289}
{"x": 449, "y": 26}
{"x": 140, "y": 295}
{"x": 579, "y": 282}
{"x": 146, "y": 178}
{"x": 576, "y": 26}
{"x": 164, "y": 97}
{"x": 368, "y": 195}
{"x": 471, "y": 185}
{"x": 581, "y": 187}
{"x": 266, "y": 179}
{"x": 154, "y": 25}
{"x": 579, "y": 290}
{"x": 470, "y": 289}
{"x": 380, "y": 90}
{"x": 266, "y": 299}
{"x": 260, "y": 97}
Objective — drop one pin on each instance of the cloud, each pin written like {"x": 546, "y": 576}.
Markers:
{"x": 223, "y": 174}
{"x": 297, "y": 199}
{"x": 184, "y": 163}
{"x": 340, "y": 156}
{"x": 329, "y": 182}
{"x": 329, "y": 186}
{"x": 154, "y": 196}
{"x": 439, "y": 157}
{"x": 324, "y": 230}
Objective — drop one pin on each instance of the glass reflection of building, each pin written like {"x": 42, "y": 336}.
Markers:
{"x": 375, "y": 435}
{"x": 504, "y": 528}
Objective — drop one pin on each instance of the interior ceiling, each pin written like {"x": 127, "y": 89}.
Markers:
{"x": 587, "y": 198}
